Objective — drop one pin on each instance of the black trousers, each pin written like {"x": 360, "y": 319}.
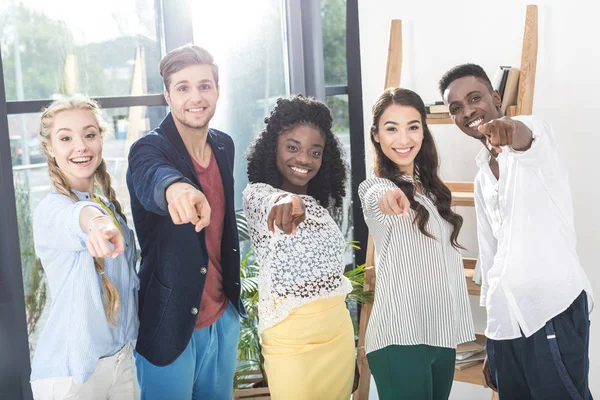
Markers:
{"x": 524, "y": 368}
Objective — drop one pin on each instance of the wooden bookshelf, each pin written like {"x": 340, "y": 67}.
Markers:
{"x": 462, "y": 192}
{"x": 433, "y": 119}
{"x": 472, "y": 374}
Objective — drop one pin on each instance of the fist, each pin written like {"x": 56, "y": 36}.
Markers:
{"x": 287, "y": 213}
{"x": 394, "y": 202}
{"x": 103, "y": 234}
{"x": 499, "y": 132}
{"x": 188, "y": 205}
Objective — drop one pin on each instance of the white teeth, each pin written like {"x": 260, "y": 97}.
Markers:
{"x": 196, "y": 109}
{"x": 476, "y": 123}
{"x": 81, "y": 160}
{"x": 300, "y": 170}
{"x": 402, "y": 151}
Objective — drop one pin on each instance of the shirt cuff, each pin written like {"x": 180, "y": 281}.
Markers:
{"x": 160, "y": 191}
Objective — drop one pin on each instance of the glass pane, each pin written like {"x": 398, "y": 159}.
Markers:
{"x": 32, "y": 184}
{"x": 247, "y": 40}
{"x": 106, "y": 48}
{"x": 334, "y": 41}
{"x": 339, "y": 110}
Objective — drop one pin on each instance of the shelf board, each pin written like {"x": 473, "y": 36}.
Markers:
{"x": 472, "y": 374}
{"x": 464, "y": 199}
{"x": 444, "y": 120}
{"x": 473, "y": 288}
{"x": 463, "y": 193}
{"x": 469, "y": 262}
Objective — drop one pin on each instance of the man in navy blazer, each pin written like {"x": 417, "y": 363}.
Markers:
{"x": 180, "y": 181}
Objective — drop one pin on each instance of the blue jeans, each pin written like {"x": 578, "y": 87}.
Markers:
{"x": 204, "y": 370}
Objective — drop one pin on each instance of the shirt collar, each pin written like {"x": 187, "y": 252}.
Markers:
{"x": 483, "y": 158}
{"x": 82, "y": 195}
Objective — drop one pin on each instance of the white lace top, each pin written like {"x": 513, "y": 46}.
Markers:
{"x": 294, "y": 269}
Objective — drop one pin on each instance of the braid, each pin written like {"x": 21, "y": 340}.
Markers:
{"x": 103, "y": 177}
{"x": 59, "y": 180}
{"x": 111, "y": 295}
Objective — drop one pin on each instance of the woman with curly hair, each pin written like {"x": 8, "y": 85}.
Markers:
{"x": 421, "y": 310}
{"x": 296, "y": 173}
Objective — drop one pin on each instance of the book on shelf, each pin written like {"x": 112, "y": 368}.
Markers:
{"x": 461, "y": 366}
{"x": 510, "y": 89}
{"x": 469, "y": 346}
{"x": 464, "y": 355}
{"x": 499, "y": 79}
{"x": 477, "y": 356}
{"x": 469, "y": 359}
{"x": 438, "y": 116}
{"x": 436, "y": 108}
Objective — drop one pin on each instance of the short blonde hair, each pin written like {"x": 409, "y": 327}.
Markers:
{"x": 184, "y": 56}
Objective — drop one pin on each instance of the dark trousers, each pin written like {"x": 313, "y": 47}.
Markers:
{"x": 525, "y": 368}
{"x": 418, "y": 372}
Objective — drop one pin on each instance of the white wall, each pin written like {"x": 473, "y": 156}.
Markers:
{"x": 438, "y": 35}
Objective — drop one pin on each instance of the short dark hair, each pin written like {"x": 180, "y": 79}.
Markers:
{"x": 460, "y": 71}
{"x": 328, "y": 187}
{"x": 184, "y": 56}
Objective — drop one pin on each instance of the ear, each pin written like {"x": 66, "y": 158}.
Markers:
{"x": 497, "y": 99}
{"x": 375, "y": 136}
{"x": 49, "y": 149}
{"x": 167, "y": 97}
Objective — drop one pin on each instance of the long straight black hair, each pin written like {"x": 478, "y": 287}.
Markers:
{"x": 426, "y": 164}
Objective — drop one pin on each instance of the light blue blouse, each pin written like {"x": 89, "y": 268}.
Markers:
{"x": 77, "y": 333}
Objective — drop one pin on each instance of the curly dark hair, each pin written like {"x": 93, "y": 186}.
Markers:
{"x": 328, "y": 186}
{"x": 426, "y": 164}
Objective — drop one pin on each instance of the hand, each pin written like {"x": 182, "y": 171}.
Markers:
{"x": 188, "y": 205}
{"x": 103, "y": 232}
{"x": 287, "y": 213}
{"x": 394, "y": 202}
{"x": 499, "y": 132}
{"x": 489, "y": 382}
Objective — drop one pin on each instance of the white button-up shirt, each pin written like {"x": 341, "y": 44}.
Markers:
{"x": 527, "y": 243}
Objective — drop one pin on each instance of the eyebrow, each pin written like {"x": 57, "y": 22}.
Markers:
{"x": 186, "y": 81}
{"x": 395, "y": 123}
{"x": 472, "y": 92}
{"x": 297, "y": 142}
{"x": 83, "y": 129}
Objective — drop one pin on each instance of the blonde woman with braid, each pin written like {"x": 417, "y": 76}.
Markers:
{"x": 88, "y": 254}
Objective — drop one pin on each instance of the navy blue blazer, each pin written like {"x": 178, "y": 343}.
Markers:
{"x": 174, "y": 257}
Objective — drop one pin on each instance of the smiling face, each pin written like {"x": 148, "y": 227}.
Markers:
{"x": 400, "y": 134}
{"x": 192, "y": 96}
{"x": 299, "y": 156}
{"x": 472, "y": 103}
{"x": 76, "y": 144}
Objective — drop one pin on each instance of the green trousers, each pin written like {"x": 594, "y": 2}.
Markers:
{"x": 413, "y": 372}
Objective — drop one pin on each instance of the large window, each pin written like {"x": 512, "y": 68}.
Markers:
{"x": 62, "y": 47}
{"x": 247, "y": 40}
{"x": 51, "y": 49}
{"x": 110, "y": 50}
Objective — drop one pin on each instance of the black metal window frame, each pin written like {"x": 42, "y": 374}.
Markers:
{"x": 305, "y": 61}
{"x": 307, "y": 75}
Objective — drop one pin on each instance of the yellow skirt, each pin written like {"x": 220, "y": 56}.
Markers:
{"x": 310, "y": 354}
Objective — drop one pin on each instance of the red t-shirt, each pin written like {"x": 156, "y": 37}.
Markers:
{"x": 214, "y": 301}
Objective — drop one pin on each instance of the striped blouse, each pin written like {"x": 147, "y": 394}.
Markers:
{"x": 420, "y": 292}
